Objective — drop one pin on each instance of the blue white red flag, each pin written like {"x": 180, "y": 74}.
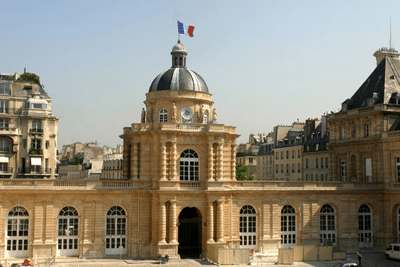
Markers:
{"x": 185, "y": 29}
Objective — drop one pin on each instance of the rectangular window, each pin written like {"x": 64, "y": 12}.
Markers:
{"x": 306, "y": 163}
{"x": 281, "y": 154}
{"x": 287, "y": 168}
{"x": 326, "y": 162}
{"x": 281, "y": 168}
{"x": 298, "y": 153}
{"x": 368, "y": 170}
{"x": 316, "y": 177}
{"x": 298, "y": 167}
{"x": 4, "y": 123}
{"x": 287, "y": 154}
{"x": 292, "y": 168}
{"x": 316, "y": 163}
{"x": 342, "y": 133}
{"x": 276, "y": 156}
{"x": 250, "y": 160}
{"x": 277, "y": 168}
{"x": 35, "y": 144}
{"x": 398, "y": 170}
{"x": 322, "y": 162}
{"x": 5, "y": 89}
{"x": 343, "y": 170}
{"x": 4, "y": 145}
{"x": 4, "y": 106}
{"x": 37, "y": 125}
{"x": 311, "y": 178}
{"x": 367, "y": 130}
{"x": 292, "y": 154}
{"x": 306, "y": 177}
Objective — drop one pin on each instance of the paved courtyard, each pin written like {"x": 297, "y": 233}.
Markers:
{"x": 372, "y": 259}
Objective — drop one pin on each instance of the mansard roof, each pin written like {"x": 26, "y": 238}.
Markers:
{"x": 382, "y": 86}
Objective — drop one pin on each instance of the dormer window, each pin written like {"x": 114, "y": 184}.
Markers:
{"x": 344, "y": 106}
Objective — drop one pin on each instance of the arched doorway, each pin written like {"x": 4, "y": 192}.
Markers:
{"x": 189, "y": 233}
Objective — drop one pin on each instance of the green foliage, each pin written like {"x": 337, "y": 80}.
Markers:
{"x": 32, "y": 77}
{"x": 243, "y": 173}
{"x": 76, "y": 160}
{"x": 240, "y": 154}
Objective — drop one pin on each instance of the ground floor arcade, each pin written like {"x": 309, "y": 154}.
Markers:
{"x": 146, "y": 223}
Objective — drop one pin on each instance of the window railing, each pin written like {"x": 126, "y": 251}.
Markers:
{"x": 36, "y": 130}
{"x": 34, "y": 170}
{"x": 6, "y": 170}
{"x": 35, "y": 151}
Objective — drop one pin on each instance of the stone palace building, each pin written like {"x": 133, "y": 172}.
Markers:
{"x": 178, "y": 194}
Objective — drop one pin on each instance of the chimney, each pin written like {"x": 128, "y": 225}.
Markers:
{"x": 385, "y": 52}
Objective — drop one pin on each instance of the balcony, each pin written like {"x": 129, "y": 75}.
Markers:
{"x": 35, "y": 151}
{"x": 36, "y": 131}
{"x": 34, "y": 170}
{"x": 5, "y": 172}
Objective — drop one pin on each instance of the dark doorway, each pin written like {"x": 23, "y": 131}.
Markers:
{"x": 189, "y": 233}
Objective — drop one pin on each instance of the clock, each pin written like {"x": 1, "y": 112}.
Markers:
{"x": 187, "y": 115}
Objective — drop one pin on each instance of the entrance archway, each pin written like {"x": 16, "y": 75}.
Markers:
{"x": 189, "y": 233}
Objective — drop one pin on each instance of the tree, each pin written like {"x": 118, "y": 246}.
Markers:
{"x": 76, "y": 160}
{"x": 243, "y": 172}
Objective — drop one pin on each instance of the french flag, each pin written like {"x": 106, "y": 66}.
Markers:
{"x": 185, "y": 29}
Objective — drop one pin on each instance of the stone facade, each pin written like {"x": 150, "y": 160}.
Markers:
{"x": 180, "y": 194}
{"x": 28, "y": 130}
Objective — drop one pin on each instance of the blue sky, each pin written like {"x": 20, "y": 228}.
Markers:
{"x": 265, "y": 62}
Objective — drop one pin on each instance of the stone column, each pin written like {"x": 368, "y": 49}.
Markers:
{"x": 220, "y": 161}
{"x": 210, "y": 222}
{"x": 172, "y": 225}
{"x": 233, "y": 168}
{"x": 220, "y": 225}
{"x": 163, "y": 162}
{"x": 163, "y": 223}
{"x": 134, "y": 161}
{"x": 210, "y": 162}
{"x": 173, "y": 162}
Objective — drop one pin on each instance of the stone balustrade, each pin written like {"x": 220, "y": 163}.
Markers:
{"x": 7, "y": 184}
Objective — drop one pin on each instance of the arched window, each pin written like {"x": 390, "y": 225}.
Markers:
{"x": 163, "y": 115}
{"x": 189, "y": 165}
{"x": 327, "y": 225}
{"x": 68, "y": 232}
{"x": 116, "y": 231}
{"x": 248, "y": 227}
{"x": 364, "y": 227}
{"x": 288, "y": 226}
{"x": 398, "y": 225}
{"x": 17, "y": 232}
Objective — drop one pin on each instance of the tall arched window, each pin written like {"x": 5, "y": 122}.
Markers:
{"x": 327, "y": 225}
{"x": 248, "y": 227}
{"x": 116, "y": 231}
{"x": 17, "y": 232}
{"x": 398, "y": 225}
{"x": 68, "y": 232}
{"x": 288, "y": 226}
{"x": 189, "y": 165}
{"x": 163, "y": 115}
{"x": 364, "y": 227}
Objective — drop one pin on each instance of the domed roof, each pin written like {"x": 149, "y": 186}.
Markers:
{"x": 178, "y": 77}
{"x": 178, "y": 48}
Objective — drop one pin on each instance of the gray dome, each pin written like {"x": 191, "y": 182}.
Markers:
{"x": 178, "y": 77}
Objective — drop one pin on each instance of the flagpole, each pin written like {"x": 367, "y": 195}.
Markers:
{"x": 179, "y": 36}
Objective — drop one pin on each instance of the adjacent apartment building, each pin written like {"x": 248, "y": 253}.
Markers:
{"x": 28, "y": 129}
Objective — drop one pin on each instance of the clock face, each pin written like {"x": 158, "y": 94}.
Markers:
{"x": 187, "y": 115}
